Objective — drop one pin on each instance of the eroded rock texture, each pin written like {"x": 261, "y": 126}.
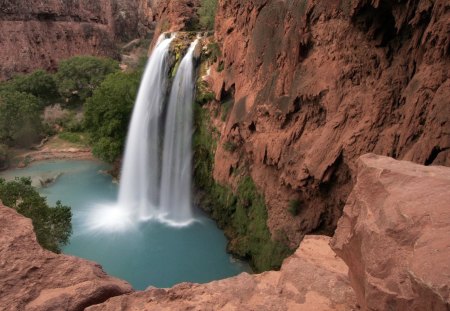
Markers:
{"x": 394, "y": 235}
{"x": 38, "y": 34}
{"x": 316, "y": 84}
{"x": 311, "y": 279}
{"x": 34, "y": 279}
{"x": 175, "y": 15}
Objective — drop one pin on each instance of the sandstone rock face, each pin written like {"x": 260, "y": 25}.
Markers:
{"x": 38, "y": 34}
{"x": 311, "y": 279}
{"x": 394, "y": 235}
{"x": 175, "y": 15}
{"x": 35, "y": 279}
{"x": 318, "y": 83}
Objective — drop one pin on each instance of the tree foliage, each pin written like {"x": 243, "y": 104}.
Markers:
{"x": 77, "y": 77}
{"x": 108, "y": 113}
{"x": 207, "y": 14}
{"x": 52, "y": 225}
{"x": 20, "y": 122}
{"x": 4, "y": 157}
{"x": 39, "y": 84}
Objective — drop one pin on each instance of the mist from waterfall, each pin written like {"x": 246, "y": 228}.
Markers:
{"x": 156, "y": 173}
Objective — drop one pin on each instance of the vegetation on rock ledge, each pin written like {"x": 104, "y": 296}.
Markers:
{"x": 52, "y": 224}
{"x": 243, "y": 213}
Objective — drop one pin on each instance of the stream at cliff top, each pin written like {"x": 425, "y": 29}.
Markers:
{"x": 149, "y": 254}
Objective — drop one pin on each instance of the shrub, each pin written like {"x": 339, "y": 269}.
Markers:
{"x": 221, "y": 67}
{"x": 39, "y": 84}
{"x": 214, "y": 51}
{"x": 79, "y": 76}
{"x": 226, "y": 108}
{"x": 207, "y": 14}
{"x": 52, "y": 224}
{"x": 204, "y": 98}
{"x": 108, "y": 113}
{"x": 74, "y": 138}
{"x": 295, "y": 207}
{"x": 20, "y": 121}
{"x": 4, "y": 156}
{"x": 242, "y": 215}
{"x": 230, "y": 146}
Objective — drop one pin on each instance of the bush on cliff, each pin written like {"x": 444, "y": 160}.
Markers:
{"x": 243, "y": 213}
{"x": 52, "y": 224}
{"x": 108, "y": 113}
{"x": 20, "y": 121}
{"x": 40, "y": 84}
{"x": 79, "y": 76}
{"x": 207, "y": 14}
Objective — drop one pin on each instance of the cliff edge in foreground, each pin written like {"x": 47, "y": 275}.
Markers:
{"x": 394, "y": 235}
{"x": 35, "y": 279}
{"x": 311, "y": 279}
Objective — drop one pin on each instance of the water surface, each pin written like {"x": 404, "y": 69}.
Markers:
{"x": 150, "y": 254}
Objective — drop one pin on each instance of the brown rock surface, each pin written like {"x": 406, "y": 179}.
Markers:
{"x": 316, "y": 84}
{"x": 32, "y": 278}
{"x": 394, "y": 235}
{"x": 175, "y": 15}
{"x": 311, "y": 279}
{"x": 38, "y": 34}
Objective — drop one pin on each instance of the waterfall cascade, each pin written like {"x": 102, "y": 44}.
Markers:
{"x": 175, "y": 197}
{"x": 156, "y": 173}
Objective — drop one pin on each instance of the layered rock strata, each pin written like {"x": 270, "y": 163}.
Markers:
{"x": 39, "y": 34}
{"x": 34, "y": 279}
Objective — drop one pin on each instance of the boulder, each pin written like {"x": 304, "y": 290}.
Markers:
{"x": 35, "y": 279}
{"x": 394, "y": 235}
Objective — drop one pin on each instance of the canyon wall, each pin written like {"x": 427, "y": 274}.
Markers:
{"x": 39, "y": 34}
{"x": 315, "y": 84}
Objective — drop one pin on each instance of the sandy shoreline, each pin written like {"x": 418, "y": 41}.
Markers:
{"x": 54, "y": 149}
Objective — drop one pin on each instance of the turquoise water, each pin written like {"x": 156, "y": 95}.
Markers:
{"x": 150, "y": 254}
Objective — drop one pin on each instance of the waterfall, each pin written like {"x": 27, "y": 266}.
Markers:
{"x": 175, "y": 197}
{"x": 156, "y": 173}
{"x": 140, "y": 176}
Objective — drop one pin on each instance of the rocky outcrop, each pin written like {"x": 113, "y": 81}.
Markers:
{"x": 316, "y": 84}
{"x": 394, "y": 235}
{"x": 133, "y": 19}
{"x": 175, "y": 15}
{"x": 312, "y": 279}
{"x": 39, "y": 34}
{"x": 32, "y": 278}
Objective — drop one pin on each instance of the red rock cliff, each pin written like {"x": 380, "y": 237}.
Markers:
{"x": 318, "y": 83}
{"x": 39, "y": 34}
{"x": 35, "y": 279}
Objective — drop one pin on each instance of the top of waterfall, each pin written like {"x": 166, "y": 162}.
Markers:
{"x": 166, "y": 35}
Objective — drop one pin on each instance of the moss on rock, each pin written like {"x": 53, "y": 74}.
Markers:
{"x": 242, "y": 213}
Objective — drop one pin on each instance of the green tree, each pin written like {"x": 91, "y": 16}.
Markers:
{"x": 52, "y": 225}
{"x": 207, "y": 14}
{"x": 39, "y": 83}
{"x": 3, "y": 156}
{"x": 108, "y": 113}
{"x": 78, "y": 76}
{"x": 20, "y": 121}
